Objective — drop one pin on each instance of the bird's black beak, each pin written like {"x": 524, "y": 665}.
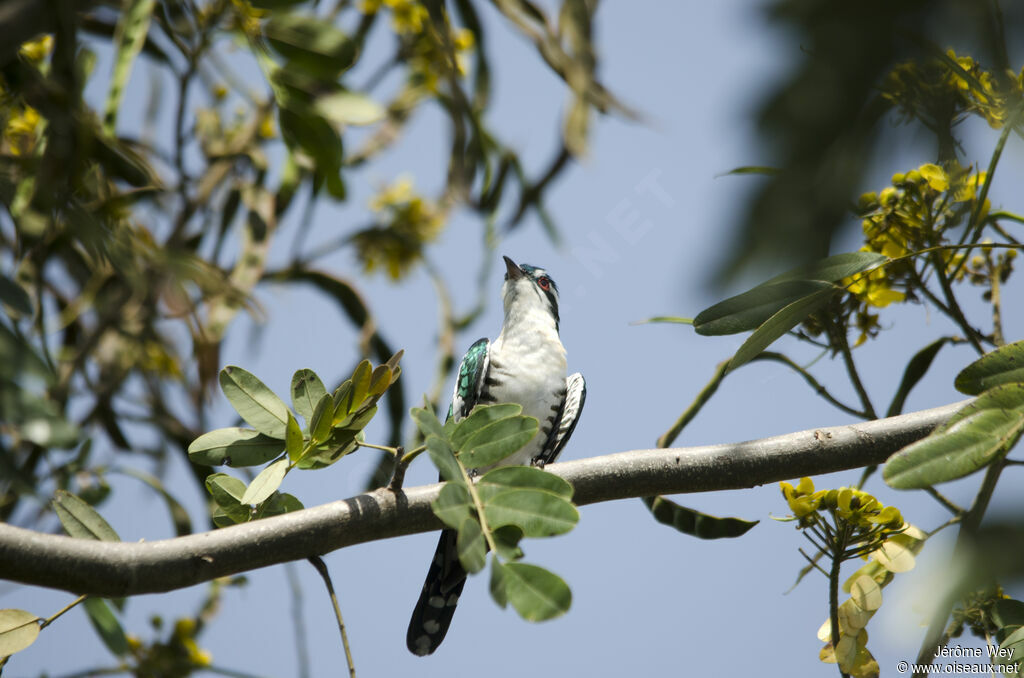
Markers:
{"x": 514, "y": 272}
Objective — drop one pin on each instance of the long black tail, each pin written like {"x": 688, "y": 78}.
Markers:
{"x": 440, "y": 594}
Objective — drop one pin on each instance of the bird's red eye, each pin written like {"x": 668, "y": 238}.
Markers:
{"x": 544, "y": 282}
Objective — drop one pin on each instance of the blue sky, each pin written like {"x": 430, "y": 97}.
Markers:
{"x": 645, "y": 218}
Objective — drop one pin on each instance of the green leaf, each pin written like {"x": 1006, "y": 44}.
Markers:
{"x": 835, "y": 268}
{"x": 427, "y": 422}
{"x": 380, "y": 380}
{"x": 753, "y": 308}
{"x": 780, "y": 323}
{"x": 222, "y": 518}
{"x": 227, "y": 492}
{"x": 1005, "y": 365}
{"x": 1015, "y": 644}
{"x": 506, "y": 540}
{"x": 977, "y": 434}
{"x": 497, "y": 584}
{"x": 524, "y": 477}
{"x": 310, "y": 44}
{"x": 916, "y": 369}
{"x": 266, "y": 483}
{"x": 497, "y": 440}
{"x": 536, "y": 512}
{"x": 471, "y": 545}
{"x": 254, "y": 402}
{"x": 536, "y": 594}
{"x": 453, "y": 505}
{"x": 307, "y": 390}
{"x": 16, "y": 298}
{"x": 234, "y": 446}
{"x": 343, "y": 400}
{"x": 1006, "y": 397}
{"x": 81, "y": 520}
{"x": 443, "y": 456}
{"x": 18, "y": 630}
{"x": 1008, "y": 612}
{"x": 342, "y": 441}
{"x": 278, "y": 504}
{"x": 360, "y": 384}
{"x": 695, "y": 523}
{"x": 294, "y": 443}
{"x": 349, "y": 108}
{"x": 323, "y": 416}
{"x": 482, "y": 416}
{"x": 106, "y": 625}
{"x": 129, "y": 36}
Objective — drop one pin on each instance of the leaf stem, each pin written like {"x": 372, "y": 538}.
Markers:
{"x": 690, "y": 412}
{"x": 838, "y": 547}
{"x": 321, "y": 567}
{"x": 995, "y": 274}
{"x": 956, "y": 312}
{"x": 839, "y": 340}
{"x": 58, "y": 613}
{"x": 811, "y": 381}
{"x": 950, "y": 506}
{"x": 479, "y": 505}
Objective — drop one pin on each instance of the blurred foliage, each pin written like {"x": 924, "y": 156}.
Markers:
{"x": 863, "y": 68}
{"x": 928, "y": 237}
{"x": 151, "y": 156}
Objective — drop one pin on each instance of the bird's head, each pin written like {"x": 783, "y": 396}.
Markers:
{"x": 528, "y": 290}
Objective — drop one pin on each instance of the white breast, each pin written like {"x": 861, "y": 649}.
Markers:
{"x": 528, "y": 361}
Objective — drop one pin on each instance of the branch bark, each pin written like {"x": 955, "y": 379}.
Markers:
{"x": 121, "y": 569}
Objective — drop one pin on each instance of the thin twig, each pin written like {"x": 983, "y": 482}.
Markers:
{"x": 838, "y": 335}
{"x": 811, "y": 381}
{"x": 321, "y": 567}
{"x": 995, "y": 274}
{"x": 669, "y": 436}
{"x": 949, "y": 505}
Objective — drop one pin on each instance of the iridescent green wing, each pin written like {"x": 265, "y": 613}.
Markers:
{"x": 470, "y": 382}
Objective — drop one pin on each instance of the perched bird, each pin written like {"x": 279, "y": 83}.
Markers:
{"x": 525, "y": 365}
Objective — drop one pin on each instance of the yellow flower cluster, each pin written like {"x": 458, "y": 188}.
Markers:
{"x": 407, "y": 16}
{"x": 22, "y": 124}
{"x": 408, "y": 222}
{"x": 21, "y": 133}
{"x": 245, "y": 18}
{"x": 860, "y": 526}
{"x": 179, "y": 656}
{"x": 981, "y": 91}
{"x": 910, "y": 215}
{"x": 429, "y": 60}
{"x": 37, "y": 50}
{"x": 851, "y": 506}
{"x": 956, "y": 82}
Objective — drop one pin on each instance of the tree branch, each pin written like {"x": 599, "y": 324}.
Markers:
{"x": 121, "y": 569}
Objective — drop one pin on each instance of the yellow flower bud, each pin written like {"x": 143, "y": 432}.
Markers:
{"x": 936, "y": 177}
